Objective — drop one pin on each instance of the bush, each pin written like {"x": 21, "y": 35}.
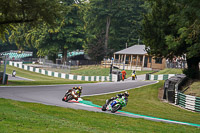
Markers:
{"x": 192, "y": 73}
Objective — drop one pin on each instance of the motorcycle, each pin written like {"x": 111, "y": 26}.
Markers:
{"x": 70, "y": 95}
{"x": 114, "y": 105}
{"x": 133, "y": 76}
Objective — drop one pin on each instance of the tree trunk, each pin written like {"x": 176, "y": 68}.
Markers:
{"x": 107, "y": 32}
{"x": 64, "y": 55}
{"x": 193, "y": 66}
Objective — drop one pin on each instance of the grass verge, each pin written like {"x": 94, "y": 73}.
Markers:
{"x": 39, "y": 78}
{"x": 100, "y": 71}
{"x": 53, "y": 82}
{"x": 145, "y": 101}
{"x": 169, "y": 71}
{"x": 194, "y": 89}
{"x": 37, "y": 118}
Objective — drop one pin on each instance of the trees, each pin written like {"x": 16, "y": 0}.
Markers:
{"x": 118, "y": 21}
{"x": 171, "y": 28}
{"x": 14, "y": 12}
{"x": 68, "y": 34}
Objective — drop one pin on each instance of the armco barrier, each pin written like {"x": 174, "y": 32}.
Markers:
{"x": 185, "y": 101}
{"x": 159, "y": 77}
{"x": 62, "y": 75}
{"x": 188, "y": 102}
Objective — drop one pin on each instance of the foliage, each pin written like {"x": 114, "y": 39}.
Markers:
{"x": 95, "y": 49}
{"x": 191, "y": 73}
{"x": 68, "y": 34}
{"x": 118, "y": 21}
{"x": 171, "y": 29}
{"x": 6, "y": 46}
{"x": 14, "y": 12}
{"x": 156, "y": 27}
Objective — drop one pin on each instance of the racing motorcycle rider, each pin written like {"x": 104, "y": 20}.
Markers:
{"x": 78, "y": 90}
{"x": 134, "y": 72}
{"x": 125, "y": 95}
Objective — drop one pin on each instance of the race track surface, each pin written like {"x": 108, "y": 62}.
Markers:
{"x": 52, "y": 95}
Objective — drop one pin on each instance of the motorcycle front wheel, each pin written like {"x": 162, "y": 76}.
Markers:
{"x": 70, "y": 97}
{"x": 104, "y": 107}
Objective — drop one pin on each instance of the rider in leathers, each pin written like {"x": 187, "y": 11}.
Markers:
{"x": 125, "y": 94}
{"x": 78, "y": 90}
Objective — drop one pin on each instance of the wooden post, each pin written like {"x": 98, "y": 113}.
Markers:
{"x": 124, "y": 61}
{"x": 124, "y": 58}
{"x": 137, "y": 61}
{"x": 131, "y": 61}
{"x": 113, "y": 60}
{"x": 143, "y": 61}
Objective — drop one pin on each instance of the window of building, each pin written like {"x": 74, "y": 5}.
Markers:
{"x": 158, "y": 60}
{"x": 141, "y": 58}
{"x": 150, "y": 59}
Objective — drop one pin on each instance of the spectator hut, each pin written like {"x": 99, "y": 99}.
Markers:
{"x": 137, "y": 58}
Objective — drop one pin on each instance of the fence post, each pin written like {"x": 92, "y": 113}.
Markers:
{"x": 4, "y": 73}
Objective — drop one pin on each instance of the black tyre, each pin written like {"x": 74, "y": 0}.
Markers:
{"x": 104, "y": 107}
{"x": 63, "y": 99}
{"x": 115, "y": 109}
{"x": 69, "y": 98}
{"x": 133, "y": 78}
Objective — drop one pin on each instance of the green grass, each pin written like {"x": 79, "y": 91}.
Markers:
{"x": 145, "y": 101}
{"x": 84, "y": 70}
{"x": 37, "y": 118}
{"x": 100, "y": 71}
{"x": 91, "y": 71}
{"x": 194, "y": 89}
{"x": 39, "y": 78}
{"x": 30, "y": 75}
{"x": 169, "y": 71}
{"x": 53, "y": 82}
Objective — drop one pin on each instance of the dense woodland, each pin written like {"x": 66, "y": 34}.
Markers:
{"x": 168, "y": 28}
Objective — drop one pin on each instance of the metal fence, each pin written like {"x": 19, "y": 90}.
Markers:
{"x": 65, "y": 67}
{"x": 3, "y": 75}
{"x": 181, "y": 64}
{"x": 1, "y": 64}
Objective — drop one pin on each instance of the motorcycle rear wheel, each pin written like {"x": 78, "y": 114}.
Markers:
{"x": 115, "y": 109}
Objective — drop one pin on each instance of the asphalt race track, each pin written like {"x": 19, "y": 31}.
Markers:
{"x": 52, "y": 95}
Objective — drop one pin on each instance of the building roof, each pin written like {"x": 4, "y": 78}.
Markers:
{"x": 135, "y": 49}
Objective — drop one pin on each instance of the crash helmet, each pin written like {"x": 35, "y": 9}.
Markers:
{"x": 80, "y": 87}
{"x": 126, "y": 93}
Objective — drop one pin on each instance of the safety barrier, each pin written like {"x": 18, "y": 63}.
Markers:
{"x": 173, "y": 93}
{"x": 159, "y": 77}
{"x": 61, "y": 75}
{"x": 188, "y": 102}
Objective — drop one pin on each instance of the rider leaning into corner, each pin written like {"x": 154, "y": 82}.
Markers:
{"x": 125, "y": 95}
{"x": 78, "y": 90}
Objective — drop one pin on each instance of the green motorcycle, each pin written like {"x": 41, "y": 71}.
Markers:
{"x": 114, "y": 105}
